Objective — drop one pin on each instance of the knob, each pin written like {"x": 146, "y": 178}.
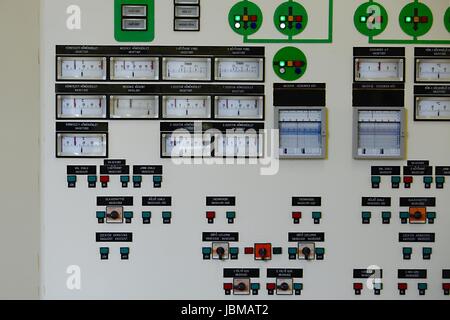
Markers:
{"x": 284, "y": 286}
{"x": 114, "y": 215}
{"x": 306, "y": 251}
{"x": 240, "y": 286}
{"x": 417, "y": 215}
{"x": 220, "y": 252}
{"x": 262, "y": 252}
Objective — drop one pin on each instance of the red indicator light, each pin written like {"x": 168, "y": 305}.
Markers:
{"x": 402, "y": 286}
{"x": 271, "y": 286}
{"x": 296, "y": 215}
{"x": 248, "y": 250}
{"x": 227, "y": 286}
{"x": 104, "y": 179}
{"x": 358, "y": 286}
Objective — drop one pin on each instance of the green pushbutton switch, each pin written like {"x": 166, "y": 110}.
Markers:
{"x": 277, "y": 250}
{"x": 366, "y": 214}
{"x": 146, "y": 214}
{"x": 407, "y": 251}
{"x": 234, "y": 251}
{"x": 386, "y": 214}
{"x": 431, "y": 215}
{"x": 92, "y": 179}
{"x": 427, "y": 251}
{"x": 231, "y": 215}
{"x": 422, "y": 286}
{"x": 128, "y": 214}
{"x": 404, "y": 215}
{"x": 440, "y": 180}
{"x": 428, "y": 180}
{"x": 396, "y": 179}
{"x": 298, "y": 286}
{"x": 167, "y": 215}
{"x": 206, "y": 251}
{"x": 157, "y": 178}
{"x": 320, "y": 251}
{"x": 125, "y": 179}
{"x": 316, "y": 215}
{"x": 124, "y": 250}
{"x": 101, "y": 214}
{"x": 104, "y": 251}
{"x": 71, "y": 179}
{"x": 137, "y": 179}
{"x": 376, "y": 179}
{"x": 255, "y": 286}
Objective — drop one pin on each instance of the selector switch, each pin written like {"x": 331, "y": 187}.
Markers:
{"x": 263, "y": 251}
{"x": 284, "y": 286}
{"x": 241, "y": 286}
{"x": 306, "y": 251}
{"x": 114, "y": 215}
{"x": 417, "y": 215}
{"x": 220, "y": 250}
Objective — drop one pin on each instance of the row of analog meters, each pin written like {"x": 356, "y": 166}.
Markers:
{"x": 148, "y": 107}
{"x": 147, "y": 69}
{"x": 392, "y": 70}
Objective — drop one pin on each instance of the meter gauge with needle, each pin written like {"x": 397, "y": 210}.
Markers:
{"x": 239, "y": 69}
{"x": 81, "y": 68}
{"x": 432, "y": 108}
{"x": 375, "y": 69}
{"x": 81, "y": 107}
{"x": 433, "y": 70}
{"x": 239, "y": 107}
{"x": 185, "y": 145}
{"x": 186, "y": 107}
{"x": 82, "y": 145}
{"x": 126, "y": 68}
{"x": 186, "y": 69}
{"x": 134, "y": 107}
{"x": 238, "y": 145}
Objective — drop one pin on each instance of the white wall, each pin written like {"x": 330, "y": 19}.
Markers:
{"x": 19, "y": 149}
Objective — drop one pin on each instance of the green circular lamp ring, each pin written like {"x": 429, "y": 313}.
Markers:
{"x": 290, "y": 18}
{"x": 290, "y": 64}
{"x": 245, "y": 18}
{"x": 371, "y": 19}
{"x": 447, "y": 19}
{"x": 416, "y": 19}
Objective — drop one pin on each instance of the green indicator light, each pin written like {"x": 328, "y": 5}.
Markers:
{"x": 237, "y": 18}
{"x": 363, "y": 19}
{"x": 408, "y": 19}
{"x": 282, "y": 18}
{"x": 282, "y": 63}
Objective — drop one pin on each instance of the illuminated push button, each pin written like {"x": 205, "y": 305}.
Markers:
{"x": 277, "y": 250}
{"x": 271, "y": 288}
{"x": 167, "y": 217}
{"x": 104, "y": 180}
{"x": 446, "y": 288}
{"x": 395, "y": 182}
{"x": 317, "y": 216}
{"x": 386, "y": 217}
{"x": 408, "y": 181}
{"x": 298, "y": 288}
{"x": 231, "y": 216}
{"x": 427, "y": 182}
{"x": 320, "y": 253}
{"x": 134, "y": 24}
{"x": 376, "y": 180}
{"x": 104, "y": 253}
{"x": 92, "y": 181}
{"x": 357, "y": 287}
{"x": 128, "y": 215}
{"x": 71, "y": 181}
{"x": 248, "y": 250}
{"x": 124, "y": 253}
{"x": 255, "y": 287}
{"x": 292, "y": 252}
{"x": 101, "y": 216}
{"x": 227, "y": 287}
{"x": 210, "y": 216}
{"x": 146, "y": 217}
{"x": 407, "y": 252}
{"x": 206, "y": 252}
{"x": 431, "y": 216}
{"x": 404, "y": 217}
{"x": 377, "y": 287}
{"x": 157, "y": 181}
{"x": 366, "y": 216}
{"x": 137, "y": 181}
{"x": 124, "y": 180}
{"x": 234, "y": 253}
{"x": 402, "y": 287}
{"x": 296, "y": 216}
{"x": 422, "y": 287}
{"x": 426, "y": 253}
{"x": 440, "y": 181}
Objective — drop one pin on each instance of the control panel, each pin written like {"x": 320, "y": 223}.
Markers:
{"x": 237, "y": 149}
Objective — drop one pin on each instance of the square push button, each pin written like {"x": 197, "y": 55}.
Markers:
{"x": 134, "y": 24}
{"x": 134, "y": 11}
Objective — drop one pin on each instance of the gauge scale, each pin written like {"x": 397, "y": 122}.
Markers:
{"x": 230, "y": 107}
{"x": 372, "y": 69}
{"x": 76, "y": 68}
{"x": 134, "y": 107}
{"x": 134, "y": 68}
{"x": 185, "y": 69}
{"x": 432, "y": 108}
{"x": 81, "y": 145}
{"x": 81, "y": 107}
{"x": 242, "y": 69}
